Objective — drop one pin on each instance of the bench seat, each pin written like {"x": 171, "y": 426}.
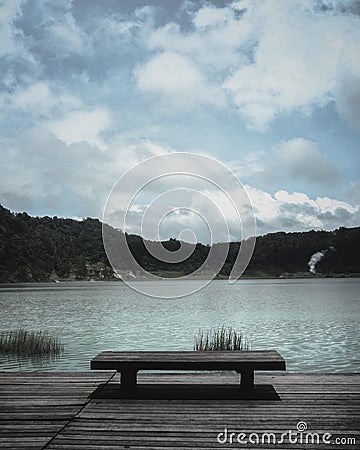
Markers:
{"x": 244, "y": 362}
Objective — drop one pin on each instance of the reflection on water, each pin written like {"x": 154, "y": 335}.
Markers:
{"x": 33, "y": 363}
{"x": 313, "y": 323}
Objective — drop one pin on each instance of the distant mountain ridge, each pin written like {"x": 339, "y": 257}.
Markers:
{"x": 48, "y": 249}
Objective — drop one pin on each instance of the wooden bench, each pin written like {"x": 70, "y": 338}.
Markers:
{"x": 244, "y": 362}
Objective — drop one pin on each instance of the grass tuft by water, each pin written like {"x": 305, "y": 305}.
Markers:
{"x": 30, "y": 343}
{"x": 221, "y": 339}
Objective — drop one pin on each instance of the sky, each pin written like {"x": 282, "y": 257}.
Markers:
{"x": 269, "y": 88}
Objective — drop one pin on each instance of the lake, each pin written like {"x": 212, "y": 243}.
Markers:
{"x": 314, "y": 323}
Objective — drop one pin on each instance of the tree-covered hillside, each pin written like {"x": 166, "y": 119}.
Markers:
{"x": 43, "y": 249}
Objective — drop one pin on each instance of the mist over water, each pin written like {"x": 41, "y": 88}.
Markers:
{"x": 314, "y": 323}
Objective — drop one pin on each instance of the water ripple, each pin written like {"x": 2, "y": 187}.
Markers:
{"x": 313, "y": 323}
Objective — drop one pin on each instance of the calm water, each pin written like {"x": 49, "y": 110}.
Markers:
{"x": 313, "y": 323}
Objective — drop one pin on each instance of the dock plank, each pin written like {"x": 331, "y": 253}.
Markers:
{"x": 34, "y": 407}
{"x": 56, "y": 411}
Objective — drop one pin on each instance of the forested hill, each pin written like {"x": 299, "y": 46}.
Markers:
{"x": 43, "y": 249}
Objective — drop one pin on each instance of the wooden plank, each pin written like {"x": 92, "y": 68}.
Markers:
{"x": 54, "y": 412}
{"x": 191, "y": 356}
{"x": 241, "y": 361}
{"x": 35, "y": 406}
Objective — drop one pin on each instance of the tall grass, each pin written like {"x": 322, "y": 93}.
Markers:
{"x": 30, "y": 343}
{"x": 221, "y": 339}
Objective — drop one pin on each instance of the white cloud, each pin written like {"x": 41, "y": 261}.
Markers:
{"x": 298, "y": 162}
{"x": 303, "y": 159}
{"x": 298, "y": 212}
{"x": 170, "y": 73}
{"x": 348, "y": 98}
{"x": 266, "y": 59}
{"x": 39, "y": 100}
{"x": 330, "y": 205}
{"x": 49, "y": 174}
{"x": 210, "y": 16}
{"x": 296, "y": 198}
{"x": 296, "y": 62}
{"x": 217, "y": 49}
{"x": 178, "y": 80}
{"x": 69, "y": 36}
{"x": 55, "y": 28}
{"x": 9, "y": 10}
{"x": 272, "y": 58}
{"x": 265, "y": 206}
{"x": 82, "y": 126}
{"x": 41, "y": 171}
{"x": 36, "y": 97}
{"x": 251, "y": 165}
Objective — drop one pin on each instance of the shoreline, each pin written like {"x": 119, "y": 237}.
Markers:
{"x": 245, "y": 278}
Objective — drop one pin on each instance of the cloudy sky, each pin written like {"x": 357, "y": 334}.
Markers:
{"x": 271, "y": 88}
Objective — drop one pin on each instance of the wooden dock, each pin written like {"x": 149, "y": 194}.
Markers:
{"x": 72, "y": 411}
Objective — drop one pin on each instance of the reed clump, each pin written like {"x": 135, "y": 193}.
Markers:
{"x": 221, "y": 339}
{"x": 30, "y": 343}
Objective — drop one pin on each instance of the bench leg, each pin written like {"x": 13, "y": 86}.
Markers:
{"x": 128, "y": 379}
{"x": 247, "y": 379}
